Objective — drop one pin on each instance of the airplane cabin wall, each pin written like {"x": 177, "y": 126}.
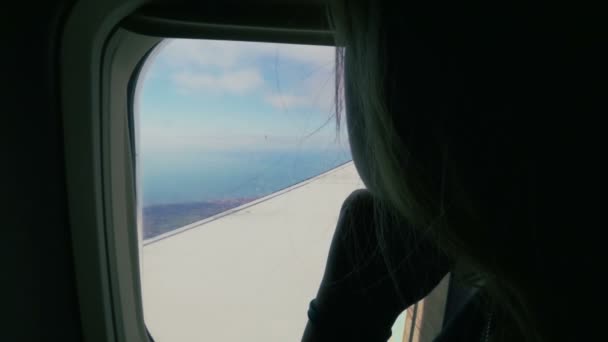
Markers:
{"x": 39, "y": 301}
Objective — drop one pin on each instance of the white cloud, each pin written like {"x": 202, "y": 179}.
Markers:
{"x": 238, "y": 81}
{"x": 304, "y": 80}
{"x": 227, "y": 54}
{"x": 186, "y": 53}
{"x": 320, "y": 87}
{"x": 308, "y": 54}
{"x": 234, "y": 67}
{"x": 317, "y": 91}
{"x": 287, "y": 101}
{"x": 192, "y": 137}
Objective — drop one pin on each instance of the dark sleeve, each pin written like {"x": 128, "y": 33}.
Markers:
{"x": 467, "y": 325}
{"x": 343, "y": 326}
{"x": 372, "y": 274}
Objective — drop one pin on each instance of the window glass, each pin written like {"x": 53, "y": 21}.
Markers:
{"x": 241, "y": 174}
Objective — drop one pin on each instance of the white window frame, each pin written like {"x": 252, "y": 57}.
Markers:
{"x": 97, "y": 63}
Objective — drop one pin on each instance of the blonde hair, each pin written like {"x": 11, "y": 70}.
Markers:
{"x": 427, "y": 189}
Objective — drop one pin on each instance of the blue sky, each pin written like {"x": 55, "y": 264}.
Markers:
{"x": 224, "y": 95}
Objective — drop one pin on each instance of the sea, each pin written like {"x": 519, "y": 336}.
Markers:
{"x": 183, "y": 187}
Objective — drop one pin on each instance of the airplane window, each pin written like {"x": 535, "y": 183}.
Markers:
{"x": 241, "y": 174}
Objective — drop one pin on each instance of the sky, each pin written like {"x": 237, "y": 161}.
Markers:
{"x": 226, "y": 95}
